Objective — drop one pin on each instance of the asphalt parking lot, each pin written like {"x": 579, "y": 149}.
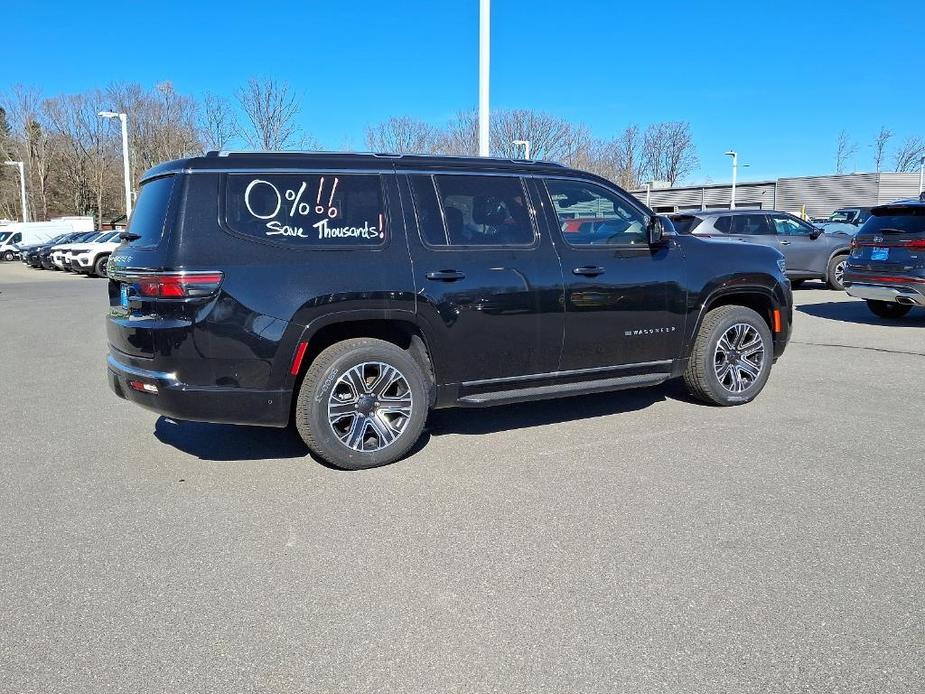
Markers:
{"x": 632, "y": 542}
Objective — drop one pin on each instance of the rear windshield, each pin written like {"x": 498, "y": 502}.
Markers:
{"x": 685, "y": 223}
{"x": 905, "y": 220}
{"x": 150, "y": 213}
{"x": 314, "y": 210}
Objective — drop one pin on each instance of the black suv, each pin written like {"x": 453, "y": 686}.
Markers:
{"x": 810, "y": 252}
{"x": 352, "y": 293}
{"x": 887, "y": 263}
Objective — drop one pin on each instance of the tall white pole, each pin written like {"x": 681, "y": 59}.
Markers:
{"x": 484, "y": 62}
{"x": 921, "y": 175}
{"x": 735, "y": 167}
{"x": 648, "y": 192}
{"x": 123, "y": 120}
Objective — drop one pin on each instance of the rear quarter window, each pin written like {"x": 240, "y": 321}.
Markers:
{"x": 149, "y": 218}
{"x": 310, "y": 210}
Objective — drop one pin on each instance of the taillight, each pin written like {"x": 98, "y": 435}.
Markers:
{"x": 917, "y": 244}
{"x": 183, "y": 285}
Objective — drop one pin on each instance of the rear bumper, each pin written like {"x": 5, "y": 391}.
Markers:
{"x": 910, "y": 296}
{"x": 195, "y": 403}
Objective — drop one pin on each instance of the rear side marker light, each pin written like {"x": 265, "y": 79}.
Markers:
{"x": 179, "y": 286}
{"x": 778, "y": 322}
{"x": 297, "y": 359}
{"x": 143, "y": 387}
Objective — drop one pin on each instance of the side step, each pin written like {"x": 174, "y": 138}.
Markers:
{"x": 504, "y": 397}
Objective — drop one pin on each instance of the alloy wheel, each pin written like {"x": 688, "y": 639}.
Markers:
{"x": 369, "y": 406}
{"x": 840, "y": 273}
{"x": 739, "y": 357}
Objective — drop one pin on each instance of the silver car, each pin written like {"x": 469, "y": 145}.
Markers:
{"x": 810, "y": 252}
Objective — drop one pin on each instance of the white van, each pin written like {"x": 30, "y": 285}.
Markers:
{"x": 12, "y": 236}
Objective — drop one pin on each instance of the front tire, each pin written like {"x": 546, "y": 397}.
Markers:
{"x": 731, "y": 359}
{"x": 836, "y": 272}
{"x": 363, "y": 403}
{"x": 99, "y": 267}
{"x": 887, "y": 309}
{"x": 9, "y": 256}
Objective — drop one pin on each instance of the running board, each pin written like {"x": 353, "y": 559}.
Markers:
{"x": 505, "y": 397}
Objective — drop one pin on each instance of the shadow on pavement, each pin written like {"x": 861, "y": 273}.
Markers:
{"x": 229, "y": 441}
{"x": 857, "y": 312}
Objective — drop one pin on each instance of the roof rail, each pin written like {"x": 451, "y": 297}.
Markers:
{"x": 381, "y": 155}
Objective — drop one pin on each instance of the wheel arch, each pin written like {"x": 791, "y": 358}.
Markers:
{"x": 402, "y": 331}
{"x": 759, "y": 299}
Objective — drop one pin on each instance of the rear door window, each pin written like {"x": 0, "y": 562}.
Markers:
{"x": 751, "y": 225}
{"x": 150, "y": 214}
{"x": 307, "y": 210}
{"x": 472, "y": 210}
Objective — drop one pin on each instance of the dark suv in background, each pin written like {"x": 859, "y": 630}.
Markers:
{"x": 887, "y": 262}
{"x": 353, "y": 293}
{"x": 810, "y": 253}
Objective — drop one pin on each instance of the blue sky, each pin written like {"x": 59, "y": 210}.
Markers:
{"x": 775, "y": 80}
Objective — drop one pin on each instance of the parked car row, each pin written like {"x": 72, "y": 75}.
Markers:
{"x": 809, "y": 252}
{"x": 83, "y": 252}
{"x": 882, "y": 259}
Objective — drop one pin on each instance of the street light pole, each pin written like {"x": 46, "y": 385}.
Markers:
{"x": 123, "y": 120}
{"x": 525, "y": 144}
{"x": 484, "y": 63}
{"x": 648, "y": 192}
{"x": 22, "y": 187}
{"x": 921, "y": 175}
{"x": 735, "y": 166}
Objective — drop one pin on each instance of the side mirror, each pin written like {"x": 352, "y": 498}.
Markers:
{"x": 658, "y": 227}
{"x": 815, "y": 234}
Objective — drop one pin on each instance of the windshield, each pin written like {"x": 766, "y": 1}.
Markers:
{"x": 4, "y": 235}
{"x": 842, "y": 215}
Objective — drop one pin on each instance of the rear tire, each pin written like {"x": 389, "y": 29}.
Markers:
{"x": 363, "y": 403}
{"x": 836, "y": 272}
{"x": 887, "y": 309}
{"x": 731, "y": 359}
{"x": 8, "y": 256}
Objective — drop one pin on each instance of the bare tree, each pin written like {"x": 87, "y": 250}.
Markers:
{"x": 461, "y": 135}
{"x": 845, "y": 148}
{"x": 89, "y": 152}
{"x": 550, "y": 137}
{"x": 218, "y": 124}
{"x": 667, "y": 152}
{"x": 162, "y": 125}
{"x": 880, "y": 143}
{"x": 271, "y": 108}
{"x": 909, "y": 155}
{"x": 403, "y": 134}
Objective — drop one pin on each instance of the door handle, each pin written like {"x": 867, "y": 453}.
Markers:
{"x": 785, "y": 243}
{"x": 588, "y": 270}
{"x": 446, "y": 275}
